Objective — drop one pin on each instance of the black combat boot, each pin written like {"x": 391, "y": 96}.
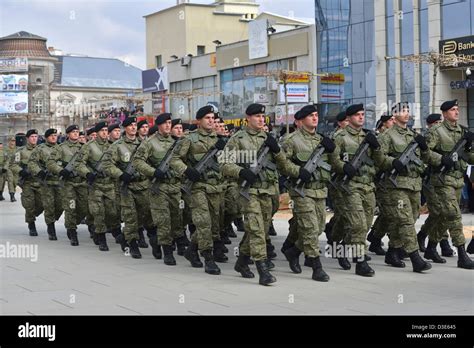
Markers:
{"x": 318, "y": 272}
{"x": 155, "y": 247}
{"x": 93, "y": 235}
{"x": 242, "y": 266}
{"x": 218, "y": 253}
{"x": 391, "y": 258}
{"x": 271, "y": 230}
{"x": 271, "y": 254}
{"x": 239, "y": 224}
{"x": 191, "y": 254}
{"x": 134, "y": 249}
{"x": 328, "y": 231}
{"x": 230, "y": 231}
{"x": 419, "y": 265}
{"x": 192, "y": 229}
{"x": 470, "y": 247}
{"x": 210, "y": 266}
{"x": 102, "y": 240}
{"x": 463, "y": 259}
{"x": 181, "y": 244}
{"x": 344, "y": 263}
{"x": 293, "y": 255}
{"x": 363, "y": 268}
{"x": 446, "y": 249}
{"x": 270, "y": 264}
{"x": 421, "y": 237}
{"x": 52, "y": 232}
{"x": 72, "y": 235}
{"x": 225, "y": 238}
{"x": 120, "y": 239}
{"x": 402, "y": 254}
{"x": 1, "y": 196}
{"x": 432, "y": 254}
{"x": 375, "y": 244}
{"x": 12, "y": 197}
{"x": 141, "y": 238}
{"x": 266, "y": 277}
{"x": 32, "y": 229}
{"x": 286, "y": 245}
{"x": 168, "y": 255}
{"x": 307, "y": 262}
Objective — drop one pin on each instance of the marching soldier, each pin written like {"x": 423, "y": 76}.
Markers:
{"x": 102, "y": 200}
{"x": 50, "y": 190}
{"x": 206, "y": 190}
{"x": 61, "y": 162}
{"x": 30, "y": 194}
{"x": 258, "y": 209}
{"x": 3, "y": 171}
{"x": 11, "y": 179}
{"x": 142, "y": 130}
{"x": 446, "y": 213}
{"x": 134, "y": 195}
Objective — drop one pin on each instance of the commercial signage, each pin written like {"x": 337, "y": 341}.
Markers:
{"x": 13, "y": 64}
{"x": 258, "y": 39}
{"x": 14, "y": 83}
{"x": 155, "y": 80}
{"x": 462, "y": 84}
{"x": 462, "y": 47}
{"x": 295, "y": 93}
{"x": 13, "y": 103}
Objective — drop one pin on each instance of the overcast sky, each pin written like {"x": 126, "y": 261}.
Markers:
{"x": 106, "y": 28}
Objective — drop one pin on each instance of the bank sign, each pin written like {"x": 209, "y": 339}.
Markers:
{"x": 462, "y": 47}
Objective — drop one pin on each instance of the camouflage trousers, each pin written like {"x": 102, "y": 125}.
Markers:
{"x": 231, "y": 204}
{"x": 205, "y": 210}
{"x": 431, "y": 224}
{"x": 336, "y": 224}
{"x": 12, "y": 181}
{"x": 102, "y": 206}
{"x": 31, "y": 201}
{"x": 75, "y": 200}
{"x": 381, "y": 226}
{"x": 3, "y": 180}
{"x": 310, "y": 215}
{"x": 135, "y": 209}
{"x": 400, "y": 208}
{"x": 52, "y": 194}
{"x": 257, "y": 218}
{"x": 167, "y": 213}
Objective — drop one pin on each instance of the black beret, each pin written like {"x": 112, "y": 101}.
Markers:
{"x": 113, "y": 126}
{"x": 141, "y": 124}
{"x": 185, "y": 126}
{"x": 81, "y": 133}
{"x": 128, "y": 121}
{"x": 71, "y": 128}
{"x": 400, "y": 106}
{"x": 448, "y": 104}
{"x": 254, "y": 109}
{"x": 162, "y": 118}
{"x": 341, "y": 116}
{"x": 305, "y": 111}
{"x": 385, "y": 117}
{"x": 153, "y": 130}
{"x": 230, "y": 126}
{"x": 378, "y": 124}
{"x": 335, "y": 124}
{"x": 208, "y": 109}
{"x": 432, "y": 118}
{"x": 49, "y": 132}
{"x": 296, "y": 116}
{"x": 91, "y": 130}
{"x": 192, "y": 127}
{"x": 175, "y": 122}
{"x": 354, "y": 108}
{"x": 100, "y": 125}
{"x": 31, "y": 132}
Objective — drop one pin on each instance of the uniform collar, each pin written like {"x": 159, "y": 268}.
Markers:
{"x": 163, "y": 137}
{"x": 352, "y": 130}
{"x": 400, "y": 129}
{"x": 29, "y": 146}
{"x": 206, "y": 133}
{"x": 451, "y": 127}
{"x": 253, "y": 131}
{"x": 73, "y": 143}
{"x": 49, "y": 144}
{"x": 100, "y": 142}
{"x": 130, "y": 141}
{"x": 306, "y": 133}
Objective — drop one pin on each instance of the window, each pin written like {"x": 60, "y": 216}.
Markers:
{"x": 292, "y": 64}
{"x": 452, "y": 15}
{"x": 39, "y": 106}
{"x": 201, "y": 50}
{"x": 158, "y": 61}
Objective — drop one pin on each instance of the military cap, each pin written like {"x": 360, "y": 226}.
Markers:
{"x": 175, "y": 122}
{"x": 81, "y": 133}
{"x": 341, "y": 116}
{"x": 49, "y": 132}
{"x": 71, "y": 128}
{"x": 113, "y": 126}
{"x": 91, "y": 130}
{"x": 185, "y": 126}
{"x": 208, "y": 109}
{"x": 385, "y": 117}
{"x": 354, "y": 108}
{"x": 128, "y": 121}
{"x": 100, "y": 125}
{"x": 141, "y": 124}
{"x": 162, "y": 118}
{"x": 305, "y": 111}
{"x": 432, "y": 118}
{"x": 153, "y": 130}
{"x": 192, "y": 127}
{"x": 31, "y": 132}
{"x": 448, "y": 104}
{"x": 254, "y": 109}
{"x": 230, "y": 126}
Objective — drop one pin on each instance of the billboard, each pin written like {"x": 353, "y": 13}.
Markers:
{"x": 13, "y": 64}
{"x": 258, "y": 39}
{"x": 14, "y": 83}
{"x": 296, "y": 93}
{"x": 155, "y": 80}
{"x": 13, "y": 103}
{"x": 462, "y": 47}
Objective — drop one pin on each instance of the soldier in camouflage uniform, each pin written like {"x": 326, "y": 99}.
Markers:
{"x": 75, "y": 189}
{"x": 400, "y": 204}
{"x": 206, "y": 191}
{"x": 11, "y": 179}
{"x": 50, "y": 190}
{"x": 446, "y": 213}
{"x": 309, "y": 210}
{"x": 134, "y": 194}
{"x": 357, "y": 213}
{"x": 258, "y": 210}
{"x": 3, "y": 171}
{"x": 89, "y": 165}
{"x": 30, "y": 185}
{"x": 165, "y": 199}
{"x": 114, "y": 135}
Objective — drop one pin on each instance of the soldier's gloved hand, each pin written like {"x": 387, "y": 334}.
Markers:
{"x": 65, "y": 173}
{"x": 371, "y": 139}
{"x": 42, "y": 174}
{"x": 447, "y": 161}
{"x": 248, "y": 175}
{"x": 272, "y": 144}
{"x": 304, "y": 175}
{"x": 469, "y": 136}
{"x": 159, "y": 174}
{"x": 220, "y": 144}
{"x": 349, "y": 170}
{"x": 4, "y": 170}
{"x": 24, "y": 173}
{"x": 397, "y": 165}
{"x": 192, "y": 174}
{"x": 91, "y": 177}
{"x": 328, "y": 144}
{"x": 420, "y": 139}
{"x": 126, "y": 178}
